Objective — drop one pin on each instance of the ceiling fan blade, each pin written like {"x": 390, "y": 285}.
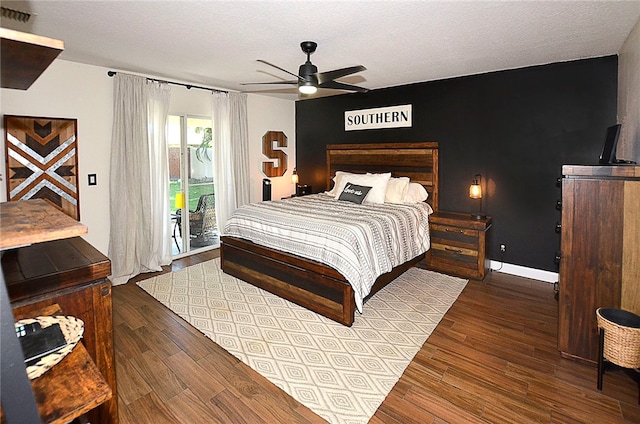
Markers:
{"x": 342, "y": 86}
{"x": 271, "y": 82}
{"x": 338, "y": 73}
{"x": 281, "y": 69}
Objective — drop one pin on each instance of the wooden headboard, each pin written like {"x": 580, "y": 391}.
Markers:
{"x": 418, "y": 161}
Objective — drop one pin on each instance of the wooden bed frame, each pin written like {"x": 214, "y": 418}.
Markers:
{"x": 314, "y": 285}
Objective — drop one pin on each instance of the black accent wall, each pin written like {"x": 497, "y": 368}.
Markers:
{"x": 516, "y": 128}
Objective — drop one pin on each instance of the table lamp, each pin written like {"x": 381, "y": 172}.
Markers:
{"x": 475, "y": 192}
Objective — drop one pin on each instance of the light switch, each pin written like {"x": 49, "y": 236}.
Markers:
{"x": 93, "y": 180}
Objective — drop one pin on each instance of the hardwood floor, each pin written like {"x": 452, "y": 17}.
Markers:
{"x": 492, "y": 358}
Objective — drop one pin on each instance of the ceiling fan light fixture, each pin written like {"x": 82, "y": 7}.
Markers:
{"x": 308, "y": 79}
{"x": 307, "y": 88}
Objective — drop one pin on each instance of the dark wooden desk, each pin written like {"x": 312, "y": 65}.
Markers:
{"x": 73, "y": 387}
{"x": 72, "y": 274}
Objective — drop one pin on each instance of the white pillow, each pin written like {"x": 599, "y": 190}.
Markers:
{"x": 377, "y": 182}
{"x": 397, "y": 190}
{"x": 416, "y": 193}
{"x": 336, "y": 182}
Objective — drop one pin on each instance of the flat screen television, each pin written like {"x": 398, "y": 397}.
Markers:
{"x": 608, "y": 155}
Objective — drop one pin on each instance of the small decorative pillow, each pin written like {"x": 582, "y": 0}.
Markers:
{"x": 354, "y": 193}
{"x": 397, "y": 190}
{"x": 416, "y": 193}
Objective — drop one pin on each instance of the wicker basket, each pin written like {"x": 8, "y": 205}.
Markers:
{"x": 72, "y": 329}
{"x": 621, "y": 336}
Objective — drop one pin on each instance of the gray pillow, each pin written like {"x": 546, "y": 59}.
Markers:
{"x": 354, "y": 193}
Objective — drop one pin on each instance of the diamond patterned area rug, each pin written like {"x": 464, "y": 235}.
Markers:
{"x": 343, "y": 374}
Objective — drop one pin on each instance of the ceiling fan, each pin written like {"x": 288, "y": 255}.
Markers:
{"x": 309, "y": 79}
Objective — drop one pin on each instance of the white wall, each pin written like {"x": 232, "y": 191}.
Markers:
{"x": 270, "y": 114}
{"x": 69, "y": 90}
{"x": 629, "y": 97}
{"x": 73, "y": 90}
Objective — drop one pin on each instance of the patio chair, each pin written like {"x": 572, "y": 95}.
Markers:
{"x": 202, "y": 222}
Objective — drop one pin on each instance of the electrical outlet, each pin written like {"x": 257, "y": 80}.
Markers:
{"x": 503, "y": 248}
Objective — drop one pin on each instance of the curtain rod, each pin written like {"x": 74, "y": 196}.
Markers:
{"x": 189, "y": 86}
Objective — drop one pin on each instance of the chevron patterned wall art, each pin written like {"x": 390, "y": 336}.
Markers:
{"x": 41, "y": 156}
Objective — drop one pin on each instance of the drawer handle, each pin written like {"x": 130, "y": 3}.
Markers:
{"x": 453, "y": 250}
{"x": 449, "y": 230}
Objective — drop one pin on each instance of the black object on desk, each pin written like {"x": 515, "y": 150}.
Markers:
{"x": 37, "y": 342}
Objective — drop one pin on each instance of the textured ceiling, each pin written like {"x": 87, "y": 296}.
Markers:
{"x": 216, "y": 43}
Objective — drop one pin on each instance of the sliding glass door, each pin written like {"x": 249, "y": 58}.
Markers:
{"x": 191, "y": 189}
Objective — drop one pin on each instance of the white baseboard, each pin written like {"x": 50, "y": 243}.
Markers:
{"x": 523, "y": 271}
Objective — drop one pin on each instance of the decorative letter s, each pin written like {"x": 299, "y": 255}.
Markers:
{"x": 267, "y": 148}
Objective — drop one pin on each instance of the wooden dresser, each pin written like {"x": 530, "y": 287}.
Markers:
{"x": 55, "y": 266}
{"x": 72, "y": 274}
{"x": 599, "y": 252}
{"x": 458, "y": 244}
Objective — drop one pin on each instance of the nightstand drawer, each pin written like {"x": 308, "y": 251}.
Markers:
{"x": 455, "y": 236}
{"x": 454, "y": 259}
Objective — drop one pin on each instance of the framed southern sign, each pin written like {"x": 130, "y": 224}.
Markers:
{"x": 380, "y": 117}
{"x": 42, "y": 161}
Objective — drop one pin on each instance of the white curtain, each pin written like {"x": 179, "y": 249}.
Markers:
{"x": 158, "y": 108}
{"x": 231, "y": 157}
{"x": 140, "y": 238}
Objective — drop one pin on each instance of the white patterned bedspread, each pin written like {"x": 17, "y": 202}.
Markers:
{"x": 361, "y": 242}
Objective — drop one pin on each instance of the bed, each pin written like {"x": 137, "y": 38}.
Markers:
{"x": 314, "y": 285}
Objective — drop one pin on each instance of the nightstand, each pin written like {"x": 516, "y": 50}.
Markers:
{"x": 458, "y": 244}
{"x": 301, "y": 190}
